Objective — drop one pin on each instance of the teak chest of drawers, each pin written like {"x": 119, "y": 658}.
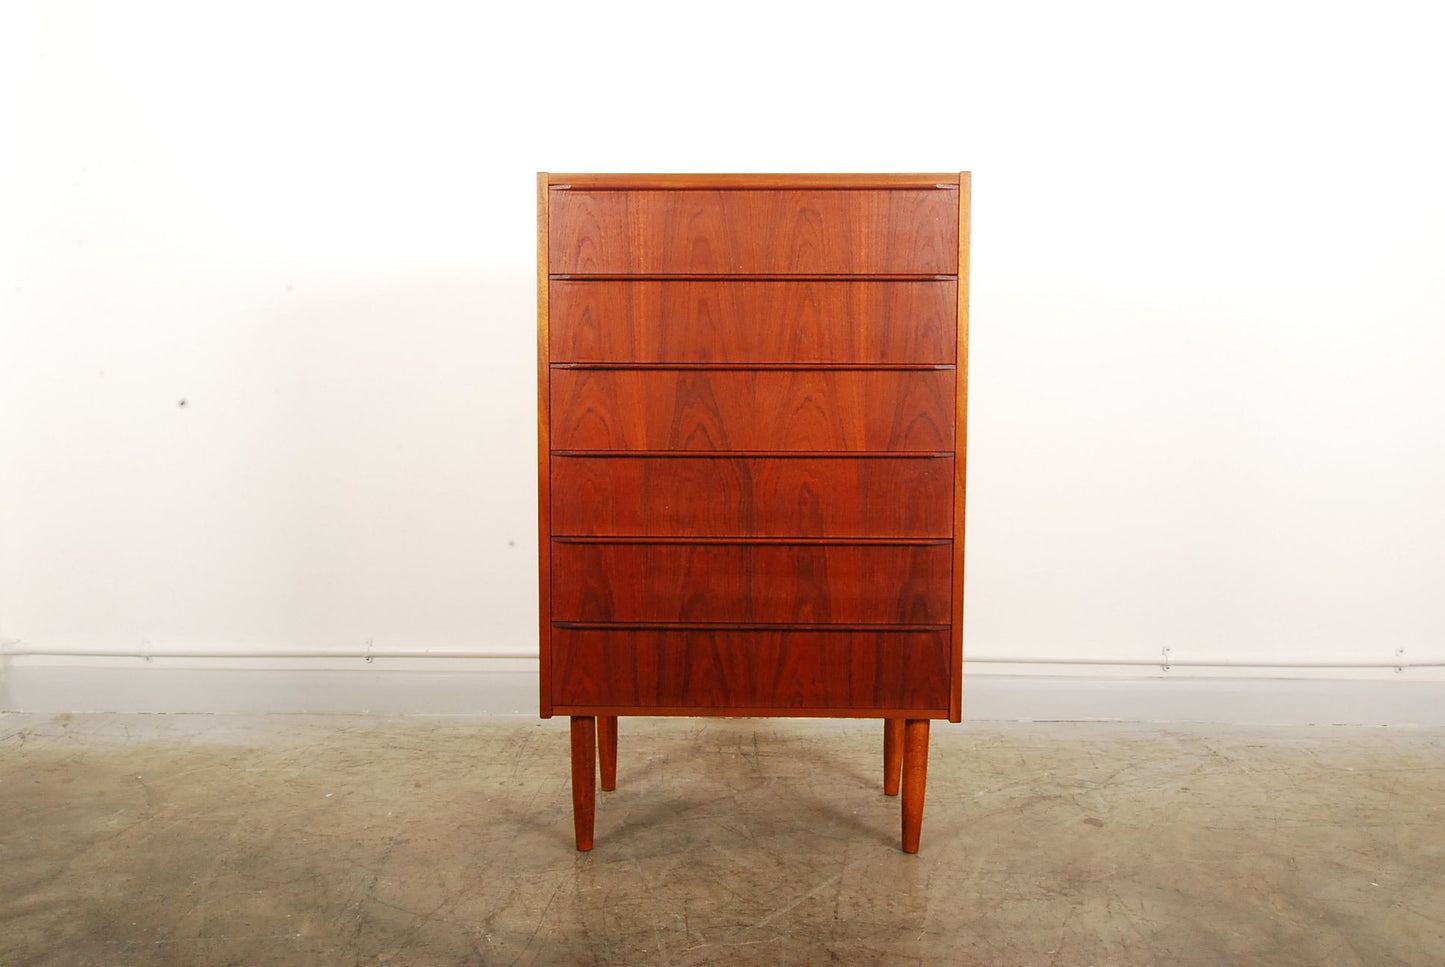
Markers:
{"x": 752, "y": 395}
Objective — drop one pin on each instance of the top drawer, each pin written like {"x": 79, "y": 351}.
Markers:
{"x": 896, "y": 231}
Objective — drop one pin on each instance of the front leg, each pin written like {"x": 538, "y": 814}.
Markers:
{"x": 915, "y": 776}
{"x": 584, "y": 778}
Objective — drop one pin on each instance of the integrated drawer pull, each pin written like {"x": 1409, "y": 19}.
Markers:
{"x": 746, "y": 232}
{"x": 827, "y": 496}
{"x": 714, "y": 322}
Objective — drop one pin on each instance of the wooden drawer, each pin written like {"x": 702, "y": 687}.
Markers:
{"x": 887, "y": 231}
{"x": 734, "y": 669}
{"x": 753, "y": 321}
{"x": 648, "y": 409}
{"x": 752, "y": 496}
{"x": 770, "y": 583}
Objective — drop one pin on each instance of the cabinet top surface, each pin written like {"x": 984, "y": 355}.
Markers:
{"x": 939, "y": 180}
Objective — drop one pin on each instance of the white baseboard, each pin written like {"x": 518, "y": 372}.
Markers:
{"x": 502, "y": 688}
{"x": 1211, "y": 700}
{"x": 382, "y": 691}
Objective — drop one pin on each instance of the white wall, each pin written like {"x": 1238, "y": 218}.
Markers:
{"x": 1208, "y": 306}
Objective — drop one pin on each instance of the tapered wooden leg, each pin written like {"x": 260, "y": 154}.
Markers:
{"x": 584, "y": 778}
{"x": 892, "y": 755}
{"x": 607, "y": 750}
{"x": 915, "y": 777}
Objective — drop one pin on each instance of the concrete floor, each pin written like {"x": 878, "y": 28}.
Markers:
{"x": 323, "y": 840}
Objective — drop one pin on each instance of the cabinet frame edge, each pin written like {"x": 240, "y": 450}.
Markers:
{"x": 960, "y": 446}
{"x": 544, "y": 456}
{"x": 637, "y": 181}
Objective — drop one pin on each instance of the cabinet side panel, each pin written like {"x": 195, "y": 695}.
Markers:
{"x": 544, "y": 453}
{"x": 960, "y": 461}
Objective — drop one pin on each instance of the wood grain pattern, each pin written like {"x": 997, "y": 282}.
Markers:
{"x": 960, "y": 467}
{"x": 948, "y": 179}
{"x": 851, "y": 584}
{"x": 753, "y": 496}
{"x": 804, "y": 231}
{"x": 743, "y": 670}
{"x": 544, "y": 451}
{"x": 754, "y": 322}
{"x": 750, "y": 410}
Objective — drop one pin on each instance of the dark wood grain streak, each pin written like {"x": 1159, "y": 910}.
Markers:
{"x": 754, "y": 322}
{"x": 742, "y": 670}
{"x": 748, "y": 231}
{"x": 752, "y": 497}
{"x": 740, "y": 410}
{"x": 848, "y": 584}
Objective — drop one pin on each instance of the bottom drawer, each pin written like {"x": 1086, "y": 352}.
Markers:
{"x": 738, "y": 669}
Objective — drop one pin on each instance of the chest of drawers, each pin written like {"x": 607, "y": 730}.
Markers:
{"x": 752, "y": 397}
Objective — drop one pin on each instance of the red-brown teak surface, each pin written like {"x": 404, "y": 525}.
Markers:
{"x": 780, "y": 321}
{"x": 794, "y": 583}
{"x": 826, "y": 410}
{"x": 752, "y": 395}
{"x": 660, "y": 670}
{"x": 745, "y": 232}
{"x": 793, "y": 496}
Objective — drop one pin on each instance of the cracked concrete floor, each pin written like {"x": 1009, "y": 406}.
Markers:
{"x": 280, "y": 840}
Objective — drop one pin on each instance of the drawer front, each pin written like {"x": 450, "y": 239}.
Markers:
{"x": 652, "y": 409}
{"x": 753, "y": 321}
{"x": 750, "y": 669}
{"x": 897, "y": 231}
{"x": 752, "y": 496}
{"x": 768, "y": 583}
